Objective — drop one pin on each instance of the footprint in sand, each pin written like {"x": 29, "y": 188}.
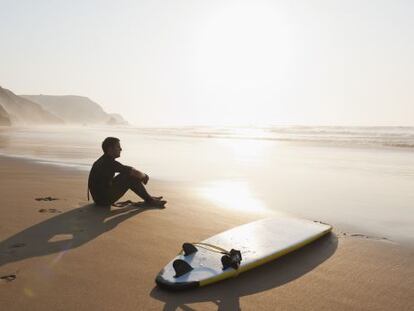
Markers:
{"x": 364, "y": 236}
{"x": 49, "y": 210}
{"x": 46, "y": 199}
{"x": 8, "y": 278}
{"x": 17, "y": 245}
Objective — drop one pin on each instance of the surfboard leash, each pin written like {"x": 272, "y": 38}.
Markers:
{"x": 212, "y": 247}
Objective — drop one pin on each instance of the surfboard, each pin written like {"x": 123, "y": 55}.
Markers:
{"x": 237, "y": 250}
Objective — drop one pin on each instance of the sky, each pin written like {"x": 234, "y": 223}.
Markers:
{"x": 217, "y": 62}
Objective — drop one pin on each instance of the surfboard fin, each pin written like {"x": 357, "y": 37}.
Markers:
{"x": 181, "y": 267}
{"x": 189, "y": 249}
{"x": 232, "y": 259}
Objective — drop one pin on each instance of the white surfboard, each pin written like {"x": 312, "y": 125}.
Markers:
{"x": 258, "y": 242}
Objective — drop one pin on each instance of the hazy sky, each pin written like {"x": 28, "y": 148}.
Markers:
{"x": 183, "y": 62}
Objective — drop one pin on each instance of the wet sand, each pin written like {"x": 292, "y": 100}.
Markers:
{"x": 359, "y": 189}
{"x": 66, "y": 254}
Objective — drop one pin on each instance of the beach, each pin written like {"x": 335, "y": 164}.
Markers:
{"x": 349, "y": 177}
{"x": 67, "y": 254}
{"x": 275, "y": 140}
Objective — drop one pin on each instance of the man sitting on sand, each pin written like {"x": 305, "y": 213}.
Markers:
{"x": 107, "y": 189}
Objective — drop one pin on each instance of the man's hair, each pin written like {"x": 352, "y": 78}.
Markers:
{"x": 109, "y": 142}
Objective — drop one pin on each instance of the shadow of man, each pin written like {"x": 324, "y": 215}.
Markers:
{"x": 81, "y": 225}
{"x": 226, "y": 295}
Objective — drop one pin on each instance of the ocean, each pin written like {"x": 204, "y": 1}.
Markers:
{"x": 359, "y": 178}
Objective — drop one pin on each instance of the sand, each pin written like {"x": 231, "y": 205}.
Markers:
{"x": 66, "y": 254}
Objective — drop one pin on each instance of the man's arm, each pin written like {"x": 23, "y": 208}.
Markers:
{"x": 132, "y": 171}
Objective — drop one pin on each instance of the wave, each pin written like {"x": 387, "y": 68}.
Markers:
{"x": 396, "y": 137}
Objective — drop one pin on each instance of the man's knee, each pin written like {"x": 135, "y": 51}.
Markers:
{"x": 133, "y": 181}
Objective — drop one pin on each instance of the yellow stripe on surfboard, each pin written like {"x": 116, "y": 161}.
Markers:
{"x": 235, "y": 272}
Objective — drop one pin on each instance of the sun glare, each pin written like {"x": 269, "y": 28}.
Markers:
{"x": 248, "y": 144}
{"x": 232, "y": 194}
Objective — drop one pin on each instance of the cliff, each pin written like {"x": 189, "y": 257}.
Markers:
{"x": 4, "y": 117}
{"x": 23, "y": 111}
{"x": 76, "y": 109}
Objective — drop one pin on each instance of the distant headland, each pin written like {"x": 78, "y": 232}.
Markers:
{"x": 53, "y": 110}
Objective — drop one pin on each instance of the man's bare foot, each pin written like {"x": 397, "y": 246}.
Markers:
{"x": 156, "y": 203}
